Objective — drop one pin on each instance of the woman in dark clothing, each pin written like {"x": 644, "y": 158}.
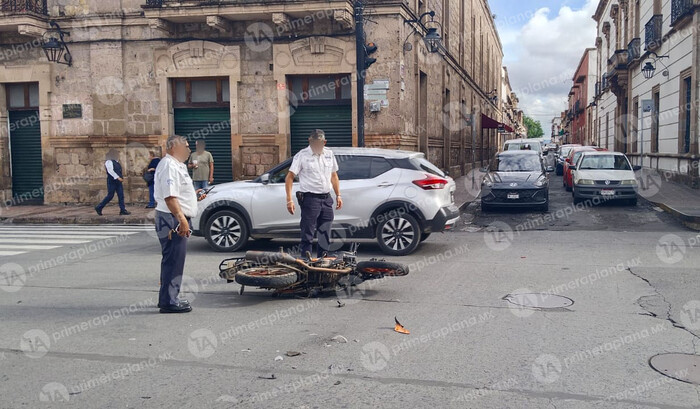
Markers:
{"x": 152, "y": 165}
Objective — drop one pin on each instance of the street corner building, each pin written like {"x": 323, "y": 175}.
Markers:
{"x": 637, "y": 91}
{"x": 80, "y": 78}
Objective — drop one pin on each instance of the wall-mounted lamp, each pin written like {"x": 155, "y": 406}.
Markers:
{"x": 54, "y": 45}
{"x": 650, "y": 66}
{"x": 432, "y": 38}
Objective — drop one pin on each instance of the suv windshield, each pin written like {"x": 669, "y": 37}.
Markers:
{"x": 517, "y": 146}
{"x": 516, "y": 163}
{"x": 608, "y": 162}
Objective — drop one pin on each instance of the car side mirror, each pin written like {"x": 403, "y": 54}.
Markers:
{"x": 265, "y": 178}
{"x": 636, "y": 168}
{"x": 485, "y": 169}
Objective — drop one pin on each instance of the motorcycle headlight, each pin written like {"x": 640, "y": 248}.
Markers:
{"x": 629, "y": 182}
{"x": 586, "y": 182}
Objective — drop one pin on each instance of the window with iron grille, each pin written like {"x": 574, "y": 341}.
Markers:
{"x": 680, "y": 9}
{"x": 652, "y": 31}
{"x": 24, "y": 6}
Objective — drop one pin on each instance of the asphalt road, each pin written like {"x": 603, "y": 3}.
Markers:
{"x": 79, "y": 328}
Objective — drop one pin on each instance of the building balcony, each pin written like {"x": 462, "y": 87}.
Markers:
{"x": 286, "y": 15}
{"x": 617, "y": 63}
{"x": 28, "y": 17}
{"x": 652, "y": 32}
{"x": 681, "y": 9}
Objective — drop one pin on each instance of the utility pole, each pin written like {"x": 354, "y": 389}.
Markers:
{"x": 360, "y": 52}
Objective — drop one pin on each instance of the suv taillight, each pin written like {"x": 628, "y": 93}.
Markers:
{"x": 431, "y": 182}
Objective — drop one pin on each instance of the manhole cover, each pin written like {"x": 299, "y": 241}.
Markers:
{"x": 539, "y": 300}
{"x": 681, "y": 367}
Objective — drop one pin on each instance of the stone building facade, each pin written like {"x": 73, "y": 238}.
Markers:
{"x": 632, "y": 35}
{"x": 249, "y": 77}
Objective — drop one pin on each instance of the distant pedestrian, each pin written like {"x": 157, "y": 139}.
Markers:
{"x": 202, "y": 164}
{"x": 115, "y": 180}
{"x": 149, "y": 176}
{"x": 318, "y": 174}
{"x": 176, "y": 204}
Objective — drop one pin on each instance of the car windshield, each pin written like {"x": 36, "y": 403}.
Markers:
{"x": 608, "y": 162}
{"x": 425, "y": 165}
{"x": 516, "y": 163}
{"x": 565, "y": 151}
{"x": 517, "y": 146}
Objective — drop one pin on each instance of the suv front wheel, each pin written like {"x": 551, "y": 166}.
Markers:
{"x": 226, "y": 230}
{"x": 398, "y": 235}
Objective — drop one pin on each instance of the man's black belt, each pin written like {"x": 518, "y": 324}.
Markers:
{"x": 318, "y": 195}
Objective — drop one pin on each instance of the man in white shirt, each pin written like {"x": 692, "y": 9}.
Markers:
{"x": 176, "y": 204}
{"x": 318, "y": 173}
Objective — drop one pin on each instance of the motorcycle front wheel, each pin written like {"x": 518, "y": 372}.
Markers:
{"x": 267, "y": 277}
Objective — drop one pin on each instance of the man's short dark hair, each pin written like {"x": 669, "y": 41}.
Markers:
{"x": 318, "y": 134}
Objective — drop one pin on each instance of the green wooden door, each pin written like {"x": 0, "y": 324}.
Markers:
{"x": 25, "y": 152}
{"x": 214, "y": 126}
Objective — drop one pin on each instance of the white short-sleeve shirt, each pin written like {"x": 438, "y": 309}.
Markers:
{"x": 314, "y": 171}
{"x": 173, "y": 180}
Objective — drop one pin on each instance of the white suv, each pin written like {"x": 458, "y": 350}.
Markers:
{"x": 395, "y": 197}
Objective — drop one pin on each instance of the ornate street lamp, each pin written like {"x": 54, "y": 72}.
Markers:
{"x": 55, "y": 47}
{"x": 432, "y": 38}
{"x": 648, "y": 70}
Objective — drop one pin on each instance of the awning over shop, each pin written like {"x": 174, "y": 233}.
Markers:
{"x": 490, "y": 123}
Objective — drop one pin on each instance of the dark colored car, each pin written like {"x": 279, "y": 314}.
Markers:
{"x": 515, "y": 179}
{"x": 561, "y": 157}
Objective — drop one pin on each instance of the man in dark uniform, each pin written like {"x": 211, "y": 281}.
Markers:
{"x": 115, "y": 179}
{"x": 318, "y": 173}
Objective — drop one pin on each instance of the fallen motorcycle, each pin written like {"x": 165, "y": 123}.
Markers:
{"x": 286, "y": 274}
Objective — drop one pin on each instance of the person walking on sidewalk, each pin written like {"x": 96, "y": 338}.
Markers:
{"x": 150, "y": 173}
{"x": 318, "y": 173}
{"x": 202, "y": 164}
{"x": 115, "y": 179}
{"x": 176, "y": 204}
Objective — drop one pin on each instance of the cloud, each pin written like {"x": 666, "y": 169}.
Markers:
{"x": 547, "y": 52}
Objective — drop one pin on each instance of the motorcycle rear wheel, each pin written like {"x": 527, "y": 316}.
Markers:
{"x": 382, "y": 268}
{"x": 267, "y": 277}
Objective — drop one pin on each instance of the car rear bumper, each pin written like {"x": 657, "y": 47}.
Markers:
{"x": 445, "y": 219}
{"x": 594, "y": 192}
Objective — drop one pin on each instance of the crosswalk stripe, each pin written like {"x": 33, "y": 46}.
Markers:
{"x": 11, "y": 253}
{"x": 60, "y": 236}
{"x": 67, "y": 233}
{"x": 39, "y": 241}
{"x": 25, "y": 247}
{"x": 60, "y": 228}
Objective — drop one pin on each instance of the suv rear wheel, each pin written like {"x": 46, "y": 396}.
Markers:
{"x": 226, "y": 230}
{"x": 398, "y": 235}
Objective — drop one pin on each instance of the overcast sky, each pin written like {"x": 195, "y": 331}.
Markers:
{"x": 543, "y": 41}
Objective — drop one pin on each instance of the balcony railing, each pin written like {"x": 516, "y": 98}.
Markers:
{"x": 23, "y": 6}
{"x": 680, "y": 9}
{"x": 652, "y": 32}
{"x": 619, "y": 60}
{"x": 634, "y": 49}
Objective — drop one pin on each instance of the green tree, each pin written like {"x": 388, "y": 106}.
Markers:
{"x": 534, "y": 128}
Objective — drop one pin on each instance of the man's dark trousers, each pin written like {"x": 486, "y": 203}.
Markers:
{"x": 113, "y": 186}
{"x": 172, "y": 265}
{"x": 316, "y": 213}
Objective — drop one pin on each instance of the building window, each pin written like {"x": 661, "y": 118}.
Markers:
{"x": 201, "y": 92}
{"x": 656, "y": 100}
{"x": 333, "y": 89}
{"x": 685, "y": 113}
{"x": 22, "y": 96}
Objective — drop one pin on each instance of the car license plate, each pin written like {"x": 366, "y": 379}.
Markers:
{"x": 607, "y": 192}
{"x": 513, "y": 196}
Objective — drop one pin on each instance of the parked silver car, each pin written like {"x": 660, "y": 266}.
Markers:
{"x": 396, "y": 197}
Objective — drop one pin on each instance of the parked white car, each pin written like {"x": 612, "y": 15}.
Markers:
{"x": 396, "y": 197}
{"x": 604, "y": 175}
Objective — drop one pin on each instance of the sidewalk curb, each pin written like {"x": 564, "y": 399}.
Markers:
{"x": 692, "y": 222}
{"x": 79, "y": 220}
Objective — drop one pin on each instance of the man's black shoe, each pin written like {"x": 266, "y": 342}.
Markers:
{"x": 176, "y": 309}
{"x": 98, "y": 210}
{"x": 124, "y": 213}
{"x": 182, "y": 301}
